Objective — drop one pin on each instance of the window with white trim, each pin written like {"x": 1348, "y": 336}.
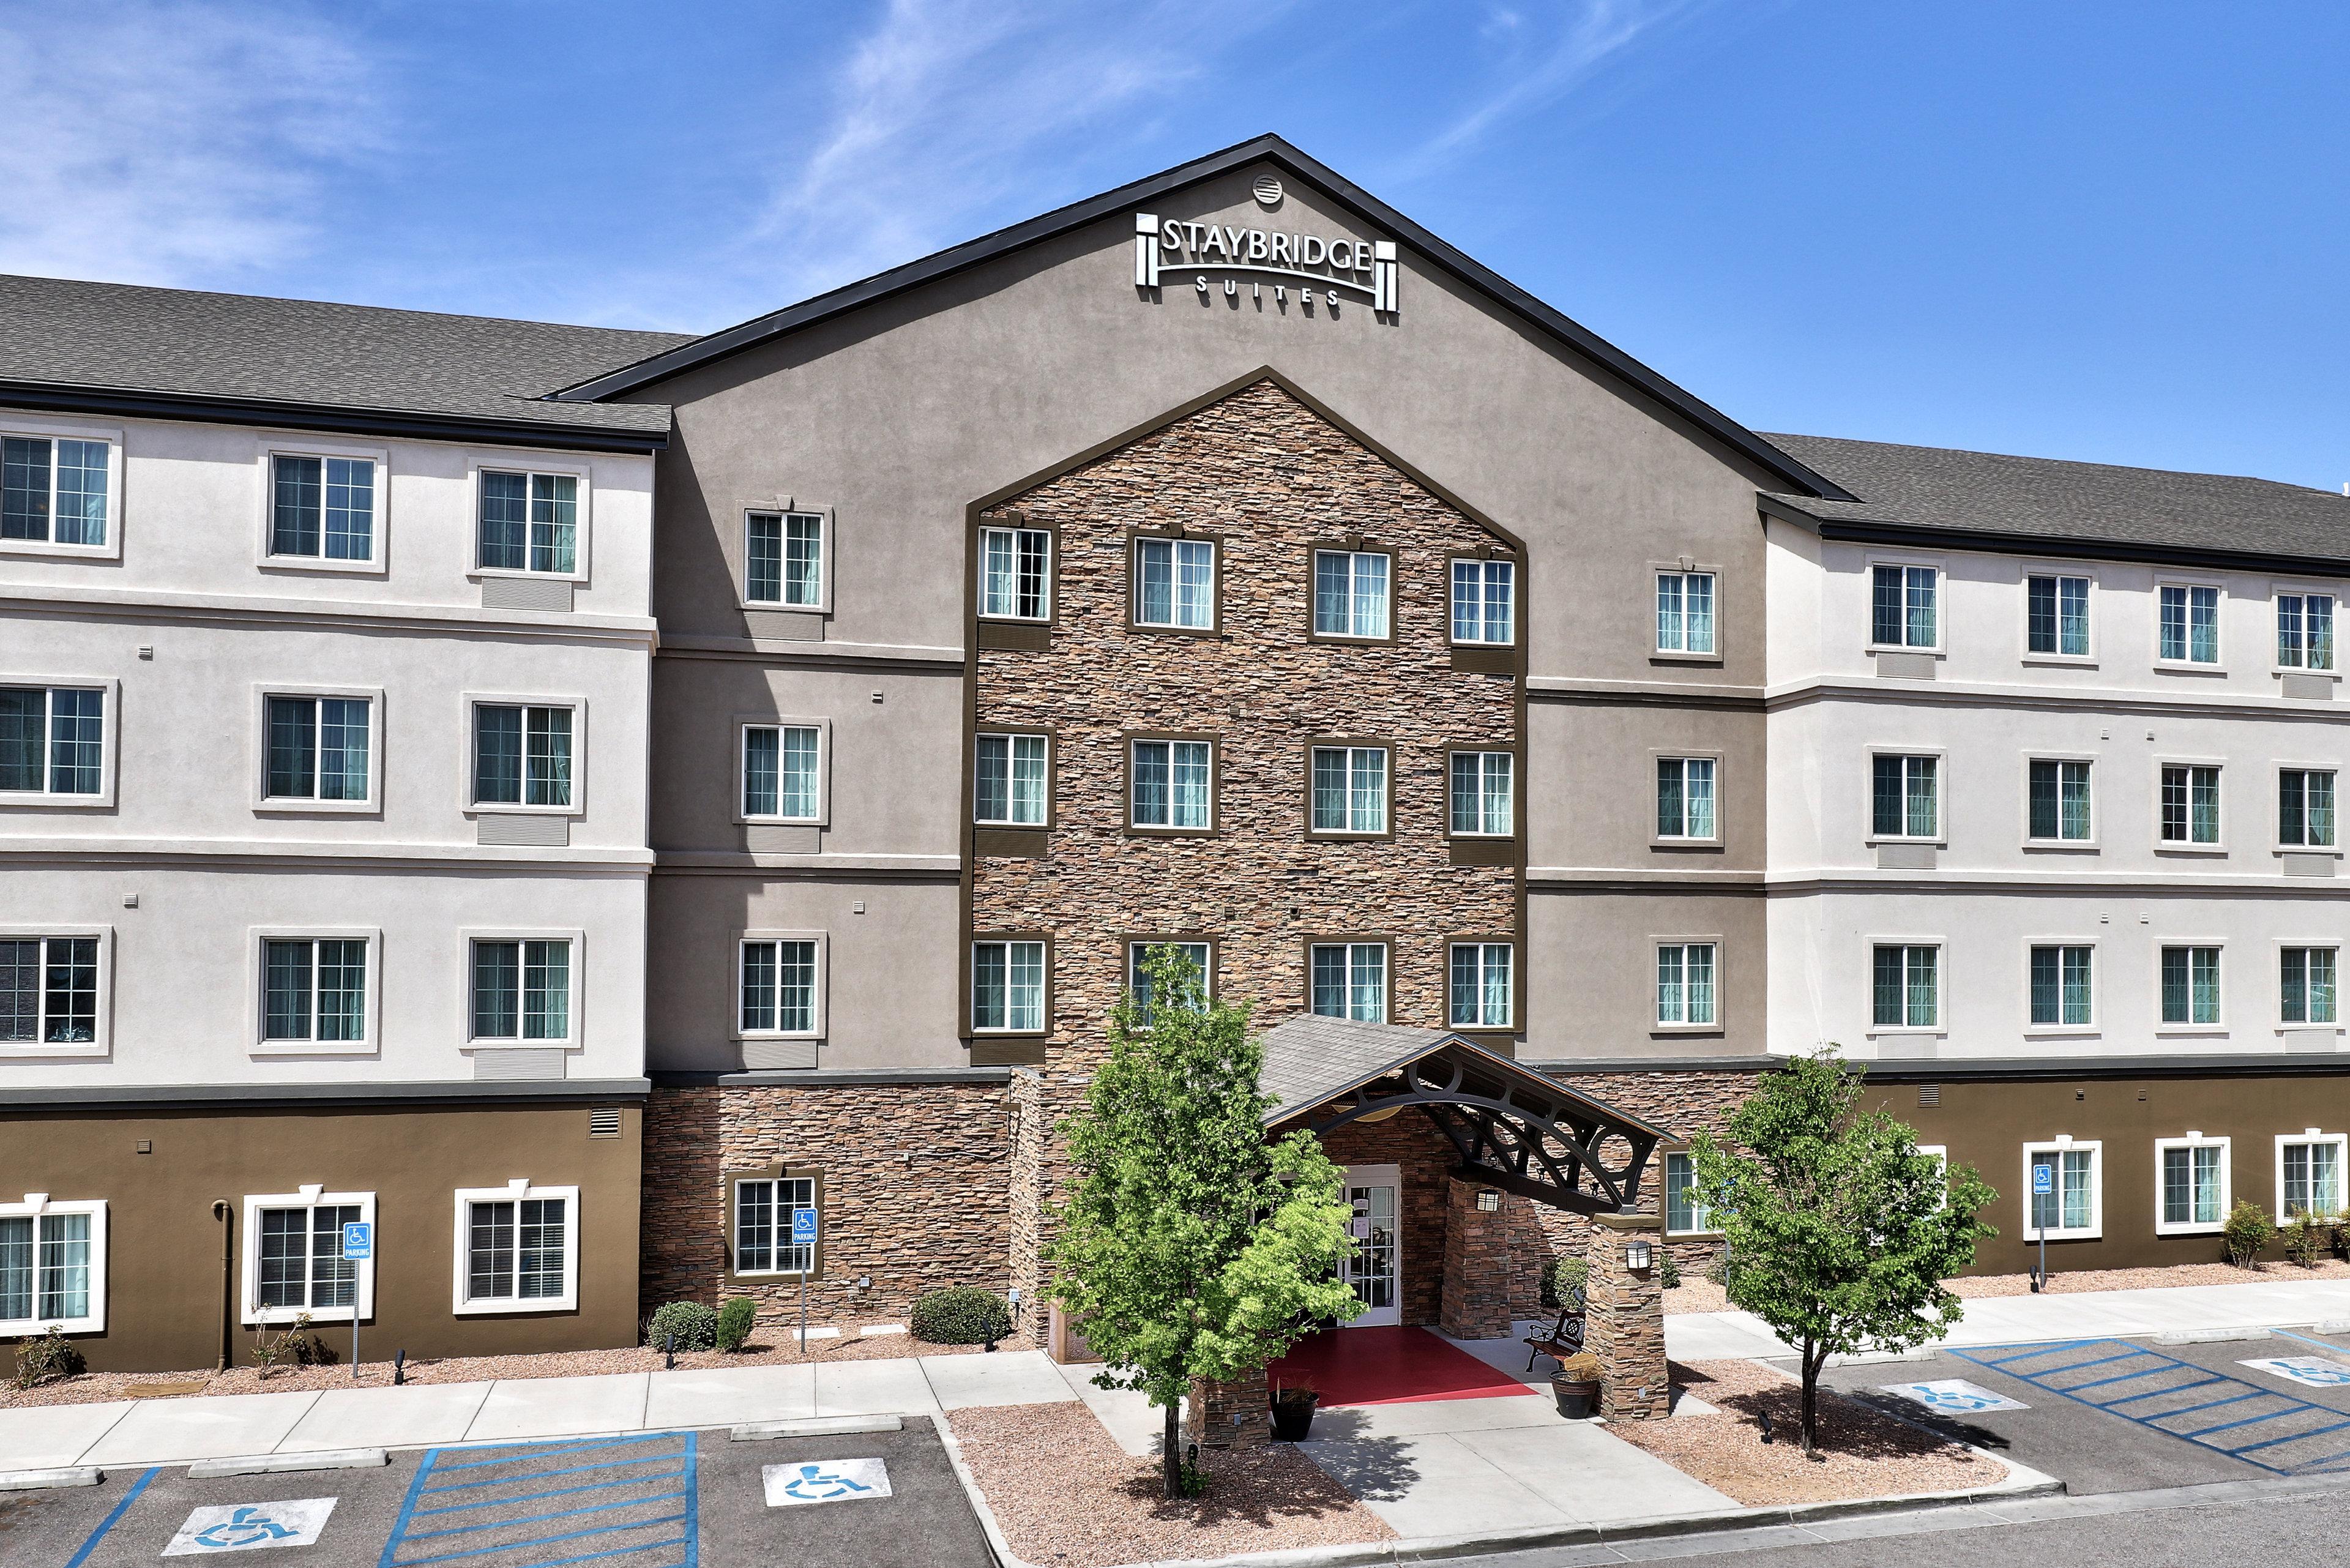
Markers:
{"x": 779, "y": 979}
{"x": 1483, "y": 787}
{"x": 2305, "y": 631}
{"x": 763, "y": 1210}
{"x": 1015, "y": 574}
{"x": 2191, "y": 803}
{"x": 53, "y": 490}
{"x": 522, "y": 755}
{"x": 2056, "y": 616}
{"x": 1138, "y": 978}
{"x": 322, "y": 508}
{"x": 529, "y": 522}
{"x": 780, "y": 777}
{"x": 314, "y": 988}
{"x": 522, "y": 989}
{"x": 2305, "y": 985}
{"x": 2192, "y": 1184}
{"x": 48, "y": 990}
{"x": 52, "y": 741}
{"x": 2190, "y": 623}
{"x": 1685, "y": 798}
{"x": 2063, "y": 987}
{"x": 1008, "y": 782}
{"x": 1904, "y": 797}
{"x": 293, "y": 1261}
{"x": 1483, "y": 985}
{"x": 2305, "y": 808}
{"x": 1007, "y": 987}
{"x": 2309, "y": 1174}
{"x": 2190, "y": 986}
{"x": 1903, "y": 606}
{"x": 783, "y": 559}
{"x": 1351, "y": 593}
{"x": 1685, "y": 984}
{"x": 1350, "y": 789}
{"x": 518, "y": 1249}
{"x": 52, "y": 1266}
{"x": 2058, "y": 801}
{"x": 1484, "y": 598}
{"x": 1171, "y": 785}
{"x": 1349, "y": 979}
{"x": 1685, "y": 612}
{"x": 1685, "y": 1215}
{"x": 2072, "y": 1207}
{"x": 1175, "y": 583}
{"x": 1906, "y": 986}
{"x": 317, "y": 748}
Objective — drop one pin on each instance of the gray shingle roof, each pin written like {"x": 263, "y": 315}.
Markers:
{"x": 175, "y": 342}
{"x": 2036, "y": 498}
{"x": 1308, "y": 1058}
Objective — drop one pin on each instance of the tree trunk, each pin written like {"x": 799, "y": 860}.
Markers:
{"x": 1171, "y": 1469}
{"x": 1811, "y": 1399}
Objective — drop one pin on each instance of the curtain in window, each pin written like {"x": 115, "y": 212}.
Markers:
{"x": 2320, "y": 636}
{"x": 758, "y": 985}
{"x": 505, "y": 521}
{"x": 24, "y": 488}
{"x": 1024, "y": 985}
{"x": 287, "y": 967}
{"x": 1330, "y": 774}
{"x": 755, "y": 1227}
{"x": 64, "y": 1284}
{"x": 293, "y": 747}
{"x": 538, "y": 1253}
{"x": 804, "y": 558}
{"x": 23, "y": 723}
{"x": 77, "y": 740}
{"x": 546, "y": 990}
{"x": 553, "y": 506}
{"x": 342, "y": 988}
{"x": 69, "y": 995}
{"x": 549, "y": 760}
{"x": 350, "y": 509}
{"x": 81, "y": 492}
{"x": 1350, "y": 593}
{"x": 1925, "y": 1002}
{"x": 987, "y": 986}
{"x": 1150, "y": 784}
{"x": 16, "y": 1267}
{"x": 342, "y": 748}
{"x": 294, "y": 521}
{"x": 1368, "y": 793}
{"x": 497, "y": 990}
{"x": 1918, "y": 614}
{"x": 2190, "y": 985}
{"x": 497, "y": 755}
{"x": 1701, "y": 982}
{"x": 762, "y": 568}
{"x": 1683, "y": 1211}
{"x": 796, "y": 987}
{"x": 1885, "y": 627}
{"x": 1672, "y": 985}
{"x": 1888, "y": 1007}
{"x": 762, "y": 764}
{"x": 1367, "y": 982}
{"x": 799, "y": 778}
{"x": 1178, "y": 582}
{"x": 1190, "y": 781}
{"x": 1671, "y": 804}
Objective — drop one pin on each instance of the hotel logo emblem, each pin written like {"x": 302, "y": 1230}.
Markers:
{"x": 1317, "y": 269}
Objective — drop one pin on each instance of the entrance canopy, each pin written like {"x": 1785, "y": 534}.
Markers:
{"x": 1512, "y": 1127}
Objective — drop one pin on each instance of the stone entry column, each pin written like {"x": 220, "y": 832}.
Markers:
{"x": 1624, "y": 1320}
{"x": 1208, "y": 1413}
{"x": 1476, "y": 1266}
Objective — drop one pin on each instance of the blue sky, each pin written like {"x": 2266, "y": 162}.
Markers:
{"x": 2105, "y": 231}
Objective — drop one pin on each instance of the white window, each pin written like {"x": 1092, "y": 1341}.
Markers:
{"x": 322, "y": 508}
{"x": 783, "y": 559}
{"x": 1484, "y": 595}
{"x": 1175, "y": 583}
{"x": 52, "y": 1266}
{"x": 1903, "y": 606}
{"x": 317, "y": 748}
{"x": 1350, "y": 789}
{"x": 2192, "y": 1185}
{"x": 1685, "y": 798}
{"x": 1015, "y": 574}
{"x": 1685, "y": 984}
{"x": 1684, "y": 1215}
{"x": 1007, "y": 987}
{"x": 2305, "y": 808}
{"x": 2190, "y": 986}
{"x": 52, "y": 993}
{"x": 529, "y": 523}
{"x": 1350, "y": 593}
{"x": 293, "y": 1261}
{"x": 1350, "y": 980}
{"x": 2056, "y": 617}
{"x": 782, "y": 776}
{"x": 1008, "y": 783}
{"x": 781, "y": 986}
{"x": 1904, "y": 797}
{"x": 1483, "y": 787}
{"x": 2309, "y": 1174}
{"x": 2058, "y": 800}
{"x": 1906, "y": 986}
{"x": 764, "y": 1209}
{"x": 316, "y": 990}
{"x": 2190, "y": 632}
{"x": 2305, "y": 982}
{"x": 1483, "y": 987}
{"x": 53, "y": 741}
{"x": 2305, "y": 631}
{"x": 1685, "y": 612}
{"x": 2073, "y": 1209}
{"x": 522, "y": 991}
{"x": 1138, "y": 978}
{"x": 518, "y": 1249}
{"x": 1173, "y": 785}
{"x": 2063, "y": 987}
{"x": 522, "y": 755}
{"x": 2190, "y": 805}
{"x": 55, "y": 491}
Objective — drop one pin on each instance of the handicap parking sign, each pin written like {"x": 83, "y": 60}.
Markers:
{"x": 358, "y": 1241}
{"x": 827, "y": 1481}
{"x": 1954, "y": 1396}
{"x": 802, "y": 1227}
{"x": 2044, "y": 1180}
{"x": 2317, "y": 1371}
{"x": 245, "y": 1527}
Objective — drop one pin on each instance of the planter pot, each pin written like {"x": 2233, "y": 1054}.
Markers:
{"x": 1292, "y": 1416}
{"x": 1576, "y": 1400}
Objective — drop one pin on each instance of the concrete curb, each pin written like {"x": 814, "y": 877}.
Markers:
{"x": 41, "y": 1480}
{"x": 819, "y": 1427}
{"x": 288, "y": 1464}
{"x": 996, "y": 1544}
{"x": 2209, "y": 1336}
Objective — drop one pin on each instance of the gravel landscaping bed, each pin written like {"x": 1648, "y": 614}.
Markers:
{"x": 766, "y": 1349}
{"x": 2148, "y": 1279}
{"x": 1868, "y": 1454}
{"x": 1102, "y": 1504}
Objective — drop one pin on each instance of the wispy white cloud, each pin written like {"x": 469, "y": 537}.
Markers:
{"x": 174, "y": 143}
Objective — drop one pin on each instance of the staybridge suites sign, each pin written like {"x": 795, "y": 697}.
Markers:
{"x": 1315, "y": 267}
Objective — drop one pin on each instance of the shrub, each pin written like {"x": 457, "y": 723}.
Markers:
{"x": 682, "y": 1325}
{"x": 2342, "y": 1241}
{"x": 1669, "y": 1271}
{"x": 2305, "y": 1239}
{"x": 295, "y": 1345}
{"x": 960, "y": 1314}
{"x": 2249, "y": 1229}
{"x": 1561, "y": 1275}
{"x": 46, "y": 1358}
{"x": 735, "y": 1320}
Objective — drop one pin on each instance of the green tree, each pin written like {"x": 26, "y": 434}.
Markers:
{"x": 1839, "y": 1232}
{"x": 1190, "y": 1246}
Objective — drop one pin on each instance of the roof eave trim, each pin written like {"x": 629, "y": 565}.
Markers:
{"x": 1275, "y": 1115}
{"x": 213, "y": 409}
{"x": 1273, "y": 148}
{"x": 2042, "y": 545}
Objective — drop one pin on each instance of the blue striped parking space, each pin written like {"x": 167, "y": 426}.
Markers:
{"x": 2259, "y": 1426}
{"x": 629, "y": 1502}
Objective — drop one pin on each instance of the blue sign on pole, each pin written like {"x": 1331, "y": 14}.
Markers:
{"x": 802, "y": 1227}
{"x": 358, "y": 1241}
{"x": 2044, "y": 1180}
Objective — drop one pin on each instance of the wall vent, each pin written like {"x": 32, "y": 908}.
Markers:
{"x": 604, "y": 1121}
{"x": 1929, "y": 1094}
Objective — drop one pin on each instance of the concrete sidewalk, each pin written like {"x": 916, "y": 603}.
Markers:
{"x": 2088, "y": 1314}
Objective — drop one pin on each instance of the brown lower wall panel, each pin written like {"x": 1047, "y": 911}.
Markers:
{"x": 165, "y": 1296}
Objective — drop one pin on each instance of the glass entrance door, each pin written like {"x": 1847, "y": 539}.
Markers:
{"x": 1375, "y": 1271}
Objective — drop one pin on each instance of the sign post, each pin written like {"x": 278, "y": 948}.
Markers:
{"x": 2043, "y": 1185}
{"x": 359, "y": 1246}
{"x": 804, "y": 1235}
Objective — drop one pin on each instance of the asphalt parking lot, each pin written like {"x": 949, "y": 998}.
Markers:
{"x": 2116, "y": 1415}
{"x": 673, "y": 1500}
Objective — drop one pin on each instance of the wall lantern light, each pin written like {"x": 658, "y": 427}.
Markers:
{"x": 1488, "y": 1202}
{"x": 1638, "y": 1256}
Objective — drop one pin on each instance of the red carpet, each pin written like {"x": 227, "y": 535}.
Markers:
{"x": 1389, "y": 1366}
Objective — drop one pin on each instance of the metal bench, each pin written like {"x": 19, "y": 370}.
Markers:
{"x": 1565, "y": 1335}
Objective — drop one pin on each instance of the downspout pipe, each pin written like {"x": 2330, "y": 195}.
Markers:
{"x": 222, "y": 1212}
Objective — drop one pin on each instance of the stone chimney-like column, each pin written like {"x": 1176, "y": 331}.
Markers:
{"x": 1624, "y": 1322}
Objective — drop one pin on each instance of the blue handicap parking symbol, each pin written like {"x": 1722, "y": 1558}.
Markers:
{"x": 827, "y": 1481}
{"x": 819, "y": 1485}
{"x": 358, "y": 1241}
{"x": 803, "y": 1224}
{"x": 245, "y": 1527}
{"x": 1953, "y": 1396}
